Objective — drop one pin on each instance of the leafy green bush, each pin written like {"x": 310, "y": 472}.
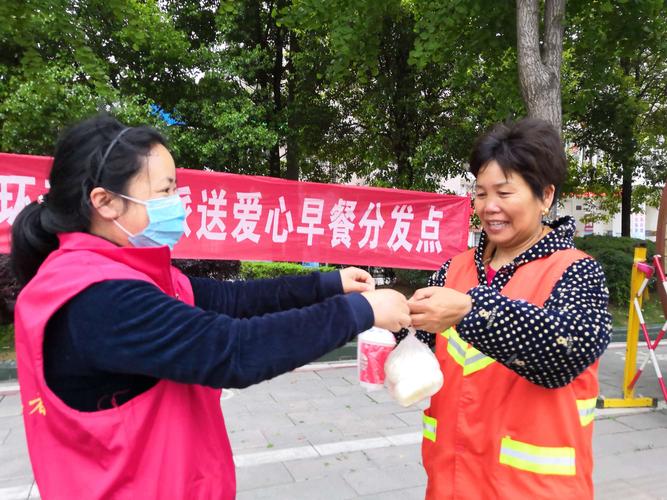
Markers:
{"x": 616, "y": 256}
{"x": 7, "y": 342}
{"x": 412, "y": 278}
{"x": 216, "y": 269}
{"x": 9, "y": 289}
{"x": 255, "y": 270}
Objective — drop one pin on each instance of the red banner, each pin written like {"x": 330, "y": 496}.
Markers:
{"x": 243, "y": 217}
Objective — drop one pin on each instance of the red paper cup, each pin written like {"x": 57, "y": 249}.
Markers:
{"x": 371, "y": 357}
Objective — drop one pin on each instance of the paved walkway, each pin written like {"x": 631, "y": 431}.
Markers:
{"x": 315, "y": 434}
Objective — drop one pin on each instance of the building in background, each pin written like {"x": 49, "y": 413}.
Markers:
{"x": 642, "y": 225}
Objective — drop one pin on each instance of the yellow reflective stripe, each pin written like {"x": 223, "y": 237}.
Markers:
{"x": 465, "y": 355}
{"x": 448, "y": 332}
{"x": 456, "y": 350}
{"x": 586, "y": 408}
{"x": 430, "y": 426}
{"x": 475, "y": 361}
{"x": 462, "y": 345}
{"x": 537, "y": 459}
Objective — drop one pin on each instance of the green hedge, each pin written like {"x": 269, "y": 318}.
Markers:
{"x": 616, "y": 256}
{"x": 9, "y": 289}
{"x": 6, "y": 342}
{"x": 255, "y": 270}
{"x": 413, "y": 278}
{"x": 215, "y": 269}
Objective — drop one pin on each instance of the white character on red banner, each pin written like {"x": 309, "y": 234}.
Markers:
{"x": 311, "y": 216}
{"x": 247, "y": 211}
{"x": 429, "y": 241}
{"x": 402, "y": 214}
{"x": 372, "y": 226}
{"x": 273, "y": 222}
{"x": 342, "y": 215}
{"x": 10, "y": 184}
{"x": 184, "y": 193}
{"x": 212, "y": 210}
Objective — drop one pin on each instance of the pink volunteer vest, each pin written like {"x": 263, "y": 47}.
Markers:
{"x": 169, "y": 442}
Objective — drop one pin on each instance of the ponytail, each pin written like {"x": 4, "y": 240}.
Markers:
{"x": 31, "y": 242}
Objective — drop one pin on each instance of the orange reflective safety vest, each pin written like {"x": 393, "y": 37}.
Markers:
{"x": 489, "y": 433}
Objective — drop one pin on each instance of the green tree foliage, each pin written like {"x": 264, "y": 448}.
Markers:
{"x": 399, "y": 121}
{"x": 617, "y": 99}
{"x": 229, "y": 119}
{"x": 62, "y": 60}
{"x": 478, "y": 39}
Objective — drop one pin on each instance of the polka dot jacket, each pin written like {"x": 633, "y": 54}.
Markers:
{"x": 548, "y": 345}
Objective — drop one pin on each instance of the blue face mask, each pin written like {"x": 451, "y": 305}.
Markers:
{"x": 165, "y": 222}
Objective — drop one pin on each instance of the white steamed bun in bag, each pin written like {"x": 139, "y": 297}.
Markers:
{"x": 412, "y": 371}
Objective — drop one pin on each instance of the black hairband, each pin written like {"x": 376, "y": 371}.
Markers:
{"x": 106, "y": 154}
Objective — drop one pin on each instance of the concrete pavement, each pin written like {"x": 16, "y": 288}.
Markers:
{"x": 315, "y": 434}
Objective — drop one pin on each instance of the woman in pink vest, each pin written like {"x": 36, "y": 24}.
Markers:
{"x": 121, "y": 357}
{"x": 518, "y": 324}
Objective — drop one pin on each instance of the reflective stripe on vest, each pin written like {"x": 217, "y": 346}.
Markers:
{"x": 537, "y": 459}
{"x": 586, "y": 409}
{"x": 430, "y": 425}
{"x": 464, "y": 354}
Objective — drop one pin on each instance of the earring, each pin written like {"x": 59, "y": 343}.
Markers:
{"x": 545, "y": 212}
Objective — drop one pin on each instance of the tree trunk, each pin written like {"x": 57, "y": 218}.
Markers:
{"x": 626, "y": 199}
{"x": 627, "y": 159}
{"x": 292, "y": 117}
{"x": 404, "y": 171}
{"x": 539, "y": 70}
{"x": 263, "y": 76}
{"x": 403, "y": 115}
{"x": 277, "y": 79}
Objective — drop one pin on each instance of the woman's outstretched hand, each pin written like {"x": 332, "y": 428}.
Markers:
{"x": 436, "y": 308}
{"x": 356, "y": 280}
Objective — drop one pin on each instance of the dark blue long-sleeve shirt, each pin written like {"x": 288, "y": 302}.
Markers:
{"x": 117, "y": 338}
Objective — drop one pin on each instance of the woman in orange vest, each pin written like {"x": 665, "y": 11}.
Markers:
{"x": 518, "y": 323}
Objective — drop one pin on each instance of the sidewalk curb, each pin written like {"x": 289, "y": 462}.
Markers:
{"x": 9, "y": 389}
{"x": 325, "y": 449}
{"x": 326, "y": 365}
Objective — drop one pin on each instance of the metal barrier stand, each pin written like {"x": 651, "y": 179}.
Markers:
{"x": 629, "y": 400}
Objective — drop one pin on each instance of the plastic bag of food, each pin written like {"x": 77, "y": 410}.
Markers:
{"x": 412, "y": 371}
{"x": 373, "y": 347}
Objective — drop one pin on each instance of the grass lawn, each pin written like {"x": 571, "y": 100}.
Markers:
{"x": 650, "y": 308}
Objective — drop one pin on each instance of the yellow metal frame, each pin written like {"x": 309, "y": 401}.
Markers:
{"x": 629, "y": 400}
